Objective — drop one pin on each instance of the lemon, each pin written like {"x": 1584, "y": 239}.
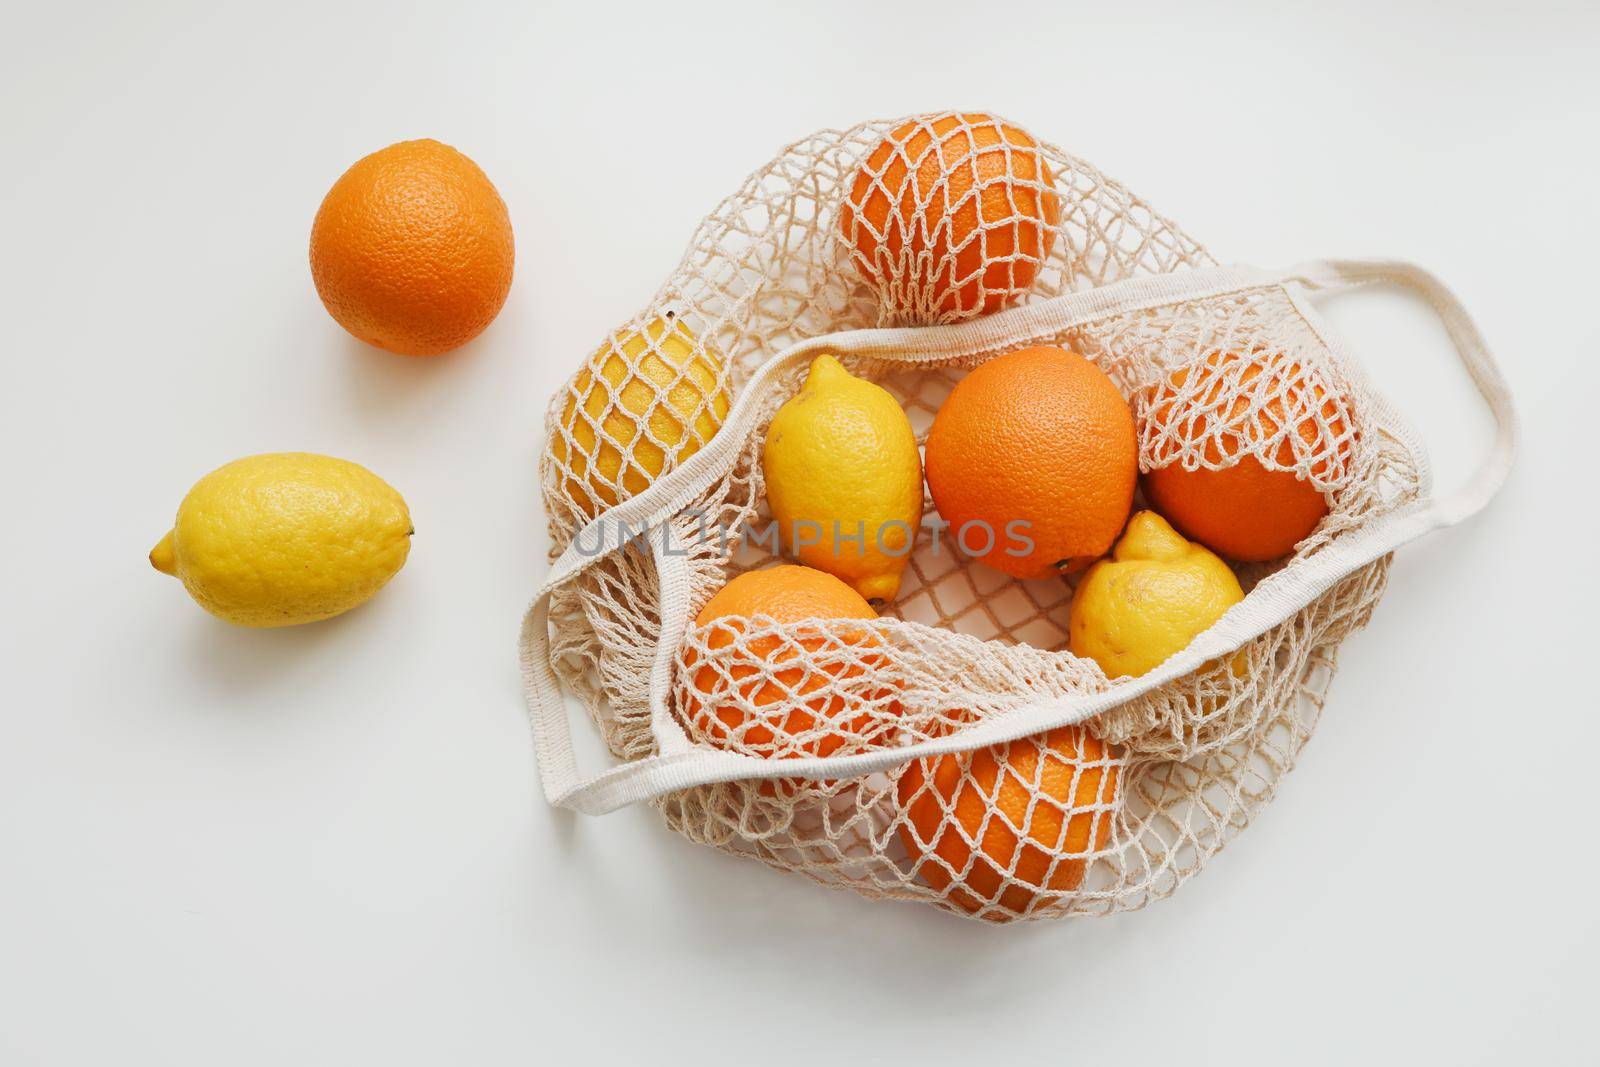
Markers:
{"x": 286, "y": 538}
{"x": 646, "y": 401}
{"x": 1149, "y": 600}
{"x": 844, "y": 480}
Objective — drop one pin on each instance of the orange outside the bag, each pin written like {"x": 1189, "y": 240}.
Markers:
{"x": 954, "y": 213}
{"x": 1035, "y": 808}
{"x": 411, "y": 249}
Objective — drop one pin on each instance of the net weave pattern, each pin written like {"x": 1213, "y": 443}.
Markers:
{"x": 835, "y": 235}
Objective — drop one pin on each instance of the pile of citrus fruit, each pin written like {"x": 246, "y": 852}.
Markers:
{"x": 1032, "y": 462}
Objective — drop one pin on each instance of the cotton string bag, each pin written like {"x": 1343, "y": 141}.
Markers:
{"x": 952, "y": 751}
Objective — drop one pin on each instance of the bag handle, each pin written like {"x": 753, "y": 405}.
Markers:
{"x": 1336, "y": 274}
{"x": 1274, "y": 599}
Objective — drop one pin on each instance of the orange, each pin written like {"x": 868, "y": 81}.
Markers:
{"x": 411, "y": 250}
{"x": 1247, "y": 511}
{"x": 1032, "y": 460}
{"x": 724, "y": 700}
{"x": 952, "y": 215}
{"x": 995, "y": 826}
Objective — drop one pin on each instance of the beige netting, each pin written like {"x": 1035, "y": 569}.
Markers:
{"x": 907, "y": 223}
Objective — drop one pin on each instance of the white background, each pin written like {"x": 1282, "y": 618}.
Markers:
{"x": 327, "y": 844}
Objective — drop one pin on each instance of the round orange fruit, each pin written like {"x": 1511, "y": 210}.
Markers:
{"x": 724, "y": 698}
{"x": 1032, "y": 460}
{"x": 1233, "y": 406}
{"x": 411, "y": 250}
{"x": 994, "y": 827}
{"x": 951, "y": 215}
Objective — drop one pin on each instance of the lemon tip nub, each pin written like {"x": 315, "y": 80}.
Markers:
{"x": 163, "y": 558}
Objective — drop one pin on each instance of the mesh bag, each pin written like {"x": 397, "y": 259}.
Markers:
{"x": 952, "y": 750}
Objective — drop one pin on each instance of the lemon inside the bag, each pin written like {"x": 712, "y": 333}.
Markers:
{"x": 645, "y": 402}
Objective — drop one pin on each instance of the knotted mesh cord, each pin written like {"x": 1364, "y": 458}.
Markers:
{"x": 1190, "y": 763}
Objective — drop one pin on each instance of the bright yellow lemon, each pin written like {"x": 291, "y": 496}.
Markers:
{"x": 844, "y": 480}
{"x": 1154, "y": 595}
{"x": 285, "y": 538}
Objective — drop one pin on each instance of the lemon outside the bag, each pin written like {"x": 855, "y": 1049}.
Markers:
{"x": 286, "y": 538}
